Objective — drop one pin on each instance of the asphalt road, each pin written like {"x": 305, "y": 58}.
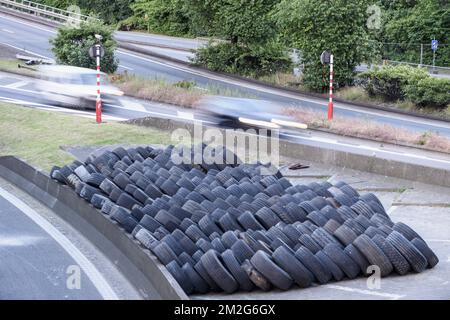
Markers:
{"x": 20, "y": 90}
{"x": 34, "y": 38}
{"x": 38, "y": 262}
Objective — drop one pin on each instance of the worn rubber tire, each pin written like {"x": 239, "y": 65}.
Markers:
{"x": 373, "y": 254}
{"x": 416, "y": 259}
{"x": 239, "y": 274}
{"x": 217, "y": 271}
{"x": 426, "y": 251}
{"x": 339, "y": 257}
{"x": 289, "y": 263}
{"x": 401, "y": 265}
{"x": 310, "y": 261}
{"x": 269, "y": 269}
{"x": 179, "y": 275}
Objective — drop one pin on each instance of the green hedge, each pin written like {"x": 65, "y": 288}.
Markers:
{"x": 434, "y": 92}
{"x": 407, "y": 83}
{"x": 252, "y": 60}
{"x": 389, "y": 82}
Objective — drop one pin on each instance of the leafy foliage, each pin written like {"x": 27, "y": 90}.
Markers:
{"x": 71, "y": 46}
{"x": 390, "y": 82}
{"x": 416, "y": 23}
{"x": 429, "y": 91}
{"x": 338, "y": 26}
{"x": 405, "y": 82}
{"x": 253, "y": 60}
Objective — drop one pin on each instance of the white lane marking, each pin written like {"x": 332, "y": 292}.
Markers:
{"x": 28, "y": 24}
{"x": 133, "y": 105}
{"x": 367, "y": 292}
{"x": 274, "y": 92}
{"x": 18, "y": 84}
{"x": 94, "y": 275}
{"x": 128, "y": 68}
{"x": 7, "y": 31}
{"x": 185, "y": 115}
{"x": 27, "y": 51}
{"x": 59, "y": 109}
{"x": 18, "y": 240}
{"x": 374, "y": 150}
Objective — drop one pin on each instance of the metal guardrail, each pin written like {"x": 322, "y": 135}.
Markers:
{"x": 44, "y": 11}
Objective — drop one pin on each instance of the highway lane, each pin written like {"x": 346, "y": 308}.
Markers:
{"x": 39, "y": 262}
{"x": 35, "y": 38}
{"x": 23, "y": 94}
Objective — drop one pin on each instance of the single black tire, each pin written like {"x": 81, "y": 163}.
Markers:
{"x": 309, "y": 243}
{"x": 164, "y": 253}
{"x": 335, "y": 253}
{"x": 177, "y": 272}
{"x": 310, "y": 261}
{"x": 373, "y": 254}
{"x": 415, "y": 258}
{"x": 236, "y": 270}
{"x": 357, "y": 257}
{"x": 406, "y": 231}
{"x": 199, "y": 284}
{"x": 328, "y": 264}
{"x": 401, "y": 265}
{"x": 256, "y": 277}
{"x": 289, "y": 263}
{"x": 276, "y": 275}
{"x": 426, "y": 251}
{"x": 242, "y": 251}
{"x": 216, "y": 270}
{"x": 345, "y": 235}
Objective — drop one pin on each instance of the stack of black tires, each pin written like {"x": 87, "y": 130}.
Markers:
{"x": 227, "y": 227}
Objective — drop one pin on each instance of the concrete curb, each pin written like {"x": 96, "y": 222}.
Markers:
{"x": 367, "y": 163}
{"x": 138, "y": 265}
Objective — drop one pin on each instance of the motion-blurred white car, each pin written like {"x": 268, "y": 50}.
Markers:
{"x": 74, "y": 86}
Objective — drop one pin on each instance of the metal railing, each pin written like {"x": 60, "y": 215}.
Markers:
{"x": 44, "y": 11}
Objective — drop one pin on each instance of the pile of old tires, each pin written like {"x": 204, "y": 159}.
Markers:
{"x": 228, "y": 227}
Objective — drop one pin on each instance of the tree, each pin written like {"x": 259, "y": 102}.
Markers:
{"x": 410, "y": 26}
{"x": 161, "y": 16}
{"x": 71, "y": 45}
{"x": 338, "y": 26}
{"x": 251, "y": 46}
{"x": 109, "y": 11}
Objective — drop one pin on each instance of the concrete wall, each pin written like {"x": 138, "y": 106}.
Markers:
{"x": 137, "y": 264}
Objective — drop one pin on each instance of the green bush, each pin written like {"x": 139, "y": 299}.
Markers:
{"x": 251, "y": 60}
{"x": 429, "y": 91}
{"x": 71, "y": 46}
{"x": 390, "y": 82}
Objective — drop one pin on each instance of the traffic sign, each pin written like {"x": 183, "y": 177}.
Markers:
{"x": 96, "y": 51}
{"x": 434, "y": 45}
{"x": 325, "y": 57}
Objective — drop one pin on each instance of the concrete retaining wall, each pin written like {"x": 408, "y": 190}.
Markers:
{"x": 138, "y": 265}
{"x": 367, "y": 163}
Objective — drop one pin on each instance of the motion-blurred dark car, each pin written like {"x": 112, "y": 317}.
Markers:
{"x": 242, "y": 112}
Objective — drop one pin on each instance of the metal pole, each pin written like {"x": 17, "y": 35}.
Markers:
{"x": 98, "y": 104}
{"x": 421, "y": 55}
{"x": 330, "y": 102}
{"x": 434, "y": 60}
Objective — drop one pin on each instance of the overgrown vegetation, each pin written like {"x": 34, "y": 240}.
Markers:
{"x": 71, "y": 45}
{"x": 364, "y": 128}
{"x": 407, "y": 83}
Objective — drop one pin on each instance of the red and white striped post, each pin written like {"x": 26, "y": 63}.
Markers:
{"x": 330, "y": 101}
{"x": 98, "y": 104}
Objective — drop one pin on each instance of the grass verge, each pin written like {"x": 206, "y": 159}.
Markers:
{"x": 11, "y": 65}
{"x": 366, "y": 129}
{"x": 37, "y": 136}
